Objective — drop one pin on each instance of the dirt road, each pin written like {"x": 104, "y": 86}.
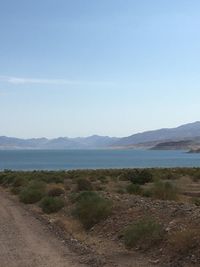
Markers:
{"x": 26, "y": 242}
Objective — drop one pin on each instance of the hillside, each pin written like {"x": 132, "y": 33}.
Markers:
{"x": 187, "y": 131}
{"x": 176, "y": 145}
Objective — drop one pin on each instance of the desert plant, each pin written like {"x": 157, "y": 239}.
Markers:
{"x": 147, "y": 193}
{"x": 84, "y": 185}
{"x": 141, "y": 177}
{"x": 165, "y": 190}
{"x": 134, "y": 189}
{"x": 51, "y": 204}
{"x": 183, "y": 241}
{"x": 92, "y": 208}
{"x": 144, "y": 233}
{"x": 19, "y": 181}
{"x": 55, "y": 191}
{"x": 32, "y": 193}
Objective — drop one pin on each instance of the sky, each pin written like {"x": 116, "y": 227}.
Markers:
{"x": 110, "y": 67}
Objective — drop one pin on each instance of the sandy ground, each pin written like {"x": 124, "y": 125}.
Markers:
{"x": 26, "y": 242}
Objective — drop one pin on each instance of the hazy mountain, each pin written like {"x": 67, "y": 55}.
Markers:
{"x": 57, "y": 143}
{"x": 148, "y": 139}
{"x": 187, "y": 131}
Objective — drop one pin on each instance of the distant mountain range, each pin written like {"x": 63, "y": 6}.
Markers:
{"x": 90, "y": 142}
{"x": 183, "y": 137}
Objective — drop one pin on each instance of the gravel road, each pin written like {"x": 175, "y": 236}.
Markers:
{"x": 26, "y": 242}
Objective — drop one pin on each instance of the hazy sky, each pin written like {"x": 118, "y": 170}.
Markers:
{"x": 108, "y": 67}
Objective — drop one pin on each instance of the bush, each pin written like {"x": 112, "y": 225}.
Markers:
{"x": 134, "y": 189}
{"x": 185, "y": 240}
{"x": 141, "y": 177}
{"x": 19, "y": 181}
{"x": 144, "y": 233}
{"x": 84, "y": 185}
{"x": 147, "y": 193}
{"x": 92, "y": 208}
{"x": 7, "y": 179}
{"x": 32, "y": 193}
{"x": 55, "y": 191}
{"x": 51, "y": 204}
{"x": 164, "y": 190}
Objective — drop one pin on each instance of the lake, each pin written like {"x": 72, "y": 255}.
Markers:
{"x": 94, "y": 159}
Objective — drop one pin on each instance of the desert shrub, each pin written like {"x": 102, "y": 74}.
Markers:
{"x": 134, "y": 189}
{"x": 142, "y": 177}
{"x": 184, "y": 241}
{"x": 165, "y": 190}
{"x": 92, "y": 208}
{"x": 51, "y": 204}
{"x": 84, "y": 185}
{"x": 7, "y": 179}
{"x": 144, "y": 233}
{"x": 19, "y": 181}
{"x": 32, "y": 193}
{"x": 103, "y": 179}
{"x": 147, "y": 193}
{"x": 55, "y": 191}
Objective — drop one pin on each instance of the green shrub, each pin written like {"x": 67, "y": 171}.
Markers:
{"x": 32, "y": 193}
{"x": 165, "y": 190}
{"x": 134, "y": 189}
{"x": 103, "y": 179}
{"x": 51, "y": 204}
{"x": 92, "y": 208}
{"x": 7, "y": 179}
{"x": 55, "y": 191}
{"x": 84, "y": 185}
{"x": 144, "y": 233}
{"x": 141, "y": 177}
{"x": 147, "y": 193}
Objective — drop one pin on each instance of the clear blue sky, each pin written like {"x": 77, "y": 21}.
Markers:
{"x": 108, "y": 67}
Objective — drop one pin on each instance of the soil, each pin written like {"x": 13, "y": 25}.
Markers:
{"x": 26, "y": 242}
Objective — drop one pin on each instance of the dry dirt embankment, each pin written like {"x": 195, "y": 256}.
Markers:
{"x": 26, "y": 242}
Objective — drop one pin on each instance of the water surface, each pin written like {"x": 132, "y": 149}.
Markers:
{"x": 84, "y": 159}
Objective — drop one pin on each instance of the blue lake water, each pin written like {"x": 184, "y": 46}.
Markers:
{"x": 84, "y": 159}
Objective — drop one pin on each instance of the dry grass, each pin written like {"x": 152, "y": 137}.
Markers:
{"x": 184, "y": 241}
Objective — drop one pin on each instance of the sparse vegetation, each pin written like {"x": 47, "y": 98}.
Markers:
{"x": 184, "y": 241}
{"x": 165, "y": 190}
{"x": 143, "y": 234}
{"x": 134, "y": 189}
{"x": 90, "y": 196}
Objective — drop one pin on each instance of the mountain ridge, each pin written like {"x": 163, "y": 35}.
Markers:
{"x": 148, "y": 139}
